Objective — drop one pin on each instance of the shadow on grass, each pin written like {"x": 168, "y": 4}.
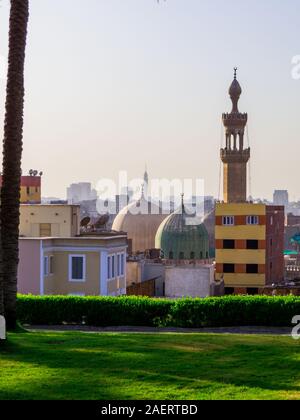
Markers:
{"x": 124, "y": 366}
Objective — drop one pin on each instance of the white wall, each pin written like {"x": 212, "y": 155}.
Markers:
{"x": 189, "y": 281}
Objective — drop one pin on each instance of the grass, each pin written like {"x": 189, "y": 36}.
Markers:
{"x": 148, "y": 366}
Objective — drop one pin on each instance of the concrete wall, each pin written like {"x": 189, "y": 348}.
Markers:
{"x": 192, "y": 282}
{"x": 64, "y": 220}
{"x": 29, "y": 268}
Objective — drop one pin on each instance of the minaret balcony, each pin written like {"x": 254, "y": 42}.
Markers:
{"x": 235, "y": 155}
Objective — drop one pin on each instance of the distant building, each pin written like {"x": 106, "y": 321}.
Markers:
{"x": 281, "y": 198}
{"x": 46, "y": 220}
{"x": 81, "y": 266}
{"x": 292, "y": 220}
{"x": 30, "y": 189}
{"x": 80, "y": 192}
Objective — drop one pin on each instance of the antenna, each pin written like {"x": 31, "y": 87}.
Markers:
{"x": 84, "y": 222}
{"x": 102, "y": 221}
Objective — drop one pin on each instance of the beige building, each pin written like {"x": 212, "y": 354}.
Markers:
{"x": 83, "y": 266}
{"x": 49, "y": 220}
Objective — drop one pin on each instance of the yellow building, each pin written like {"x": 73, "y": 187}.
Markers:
{"x": 83, "y": 266}
{"x": 49, "y": 220}
{"x": 30, "y": 190}
{"x": 249, "y": 243}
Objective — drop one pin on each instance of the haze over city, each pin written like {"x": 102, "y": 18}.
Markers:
{"x": 113, "y": 84}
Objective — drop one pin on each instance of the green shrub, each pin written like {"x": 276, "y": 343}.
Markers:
{"x": 143, "y": 311}
{"x": 96, "y": 311}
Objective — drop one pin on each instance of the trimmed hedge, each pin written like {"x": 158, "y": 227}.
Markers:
{"x": 141, "y": 311}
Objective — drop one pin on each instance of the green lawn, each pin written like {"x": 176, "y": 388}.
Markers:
{"x": 143, "y": 366}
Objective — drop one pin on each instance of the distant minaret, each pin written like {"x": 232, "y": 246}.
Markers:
{"x": 235, "y": 157}
{"x": 146, "y": 181}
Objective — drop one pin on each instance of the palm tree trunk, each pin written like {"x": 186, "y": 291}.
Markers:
{"x": 12, "y": 154}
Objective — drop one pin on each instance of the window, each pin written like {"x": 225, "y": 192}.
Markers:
{"x": 192, "y": 255}
{"x": 201, "y": 255}
{"x": 28, "y": 190}
{"x": 228, "y": 220}
{"x": 228, "y": 244}
{"x": 108, "y": 267}
{"x": 45, "y": 230}
{"x": 171, "y": 256}
{"x": 252, "y": 220}
{"x": 46, "y": 267}
{"x": 118, "y": 264}
{"x": 252, "y": 269}
{"x": 228, "y": 268}
{"x": 113, "y": 266}
{"x": 122, "y": 264}
{"x": 181, "y": 256}
{"x": 51, "y": 268}
{"x": 77, "y": 268}
{"x": 252, "y": 244}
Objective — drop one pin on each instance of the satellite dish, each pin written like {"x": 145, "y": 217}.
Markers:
{"x": 31, "y": 172}
{"x": 41, "y": 174}
{"x": 102, "y": 221}
{"x": 35, "y": 173}
{"x": 84, "y": 222}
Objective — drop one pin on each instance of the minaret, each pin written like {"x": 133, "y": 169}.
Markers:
{"x": 146, "y": 181}
{"x": 235, "y": 157}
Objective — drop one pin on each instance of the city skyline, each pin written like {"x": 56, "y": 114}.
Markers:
{"x": 97, "y": 120}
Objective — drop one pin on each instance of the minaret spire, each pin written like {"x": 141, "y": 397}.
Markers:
{"x": 235, "y": 156}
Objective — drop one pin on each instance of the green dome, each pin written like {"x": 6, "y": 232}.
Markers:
{"x": 180, "y": 239}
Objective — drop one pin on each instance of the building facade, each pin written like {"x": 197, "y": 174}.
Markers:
{"x": 49, "y": 220}
{"x": 83, "y": 266}
{"x": 249, "y": 246}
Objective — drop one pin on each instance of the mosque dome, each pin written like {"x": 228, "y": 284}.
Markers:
{"x": 180, "y": 239}
{"x": 140, "y": 219}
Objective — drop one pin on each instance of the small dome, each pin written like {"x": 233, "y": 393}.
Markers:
{"x": 180, "y": 237}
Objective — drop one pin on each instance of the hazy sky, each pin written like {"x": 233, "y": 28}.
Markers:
{"x": 112, "y": 84}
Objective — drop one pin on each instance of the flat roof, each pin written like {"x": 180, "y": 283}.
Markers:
{"x": 77, "y": 238}
{"x": 49, "y": 205}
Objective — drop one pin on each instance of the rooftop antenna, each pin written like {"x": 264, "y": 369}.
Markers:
{"x": 84, "y": 222}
